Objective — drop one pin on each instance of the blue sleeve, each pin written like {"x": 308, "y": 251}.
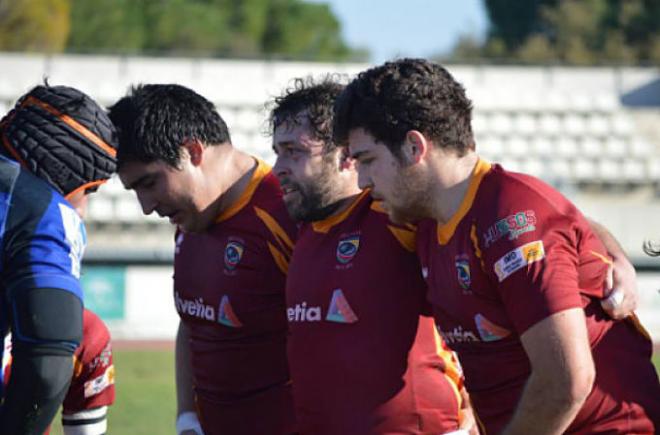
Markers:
{"x": 43, "y": 244}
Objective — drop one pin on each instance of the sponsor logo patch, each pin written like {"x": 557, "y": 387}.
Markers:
{"x": 226, "y": 314}
{"x": 302, "y": 313}
{"x": 194, "y": 307}
{"x": 347, "y": 248}
{"x": 488, "y": 330}
{"x": 458, "y": 335}
{"x": 233, "y": 254}
{"x": 463, "y": 271}
{"x": 97, "y": 385}
{"x": 340, "y": 311}
{"x": 512, "y": 226}
{"x": 518, "y": 258}
{"x": 75, "y": 235}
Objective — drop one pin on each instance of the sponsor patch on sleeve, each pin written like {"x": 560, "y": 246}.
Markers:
{"x": 97, "y": 385}
{"x": 518, "y": 258}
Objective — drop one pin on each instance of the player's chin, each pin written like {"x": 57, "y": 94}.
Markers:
{"x": 399, "y": 216}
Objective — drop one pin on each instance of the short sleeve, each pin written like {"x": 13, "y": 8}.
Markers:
{"x": 92, "y": 384}
{"x": 530, "y": 250}
{"x": 43, "y": 245}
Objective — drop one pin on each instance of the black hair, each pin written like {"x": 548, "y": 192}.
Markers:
{"x": 407, "y": 94}
{"x": 316, "y": 99}
{"x": 154, "y": 121}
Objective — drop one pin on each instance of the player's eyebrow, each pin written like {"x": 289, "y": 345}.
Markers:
{"x": 138, "y": 182}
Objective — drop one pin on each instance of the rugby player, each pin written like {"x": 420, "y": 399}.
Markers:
{"x": 515, "y": 273}
{"x": 57, "y": 145}
{"x": 363, "y": 351}
{"x": 232, "y": 247}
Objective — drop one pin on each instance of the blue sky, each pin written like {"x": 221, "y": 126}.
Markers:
{"x": 390, "y": 28}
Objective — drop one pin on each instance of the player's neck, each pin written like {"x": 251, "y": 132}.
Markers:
{"x": 451, "y": 180}
{"x": 229, "y": 174}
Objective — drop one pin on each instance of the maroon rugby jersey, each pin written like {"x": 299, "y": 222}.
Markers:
{"x": 516, "y": 252}
{"x": 229, "y": 286}
{"x": 363, "y": 359}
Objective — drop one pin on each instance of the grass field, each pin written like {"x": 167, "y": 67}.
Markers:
{"x": 145, "y": 402}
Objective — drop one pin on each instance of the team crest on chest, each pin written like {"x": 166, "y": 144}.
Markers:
{"x": 463, "y": 271}
{"x": 233, "y": 254}
{"x": 347, "y": 248}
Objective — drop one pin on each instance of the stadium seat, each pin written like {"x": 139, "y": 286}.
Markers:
{"x": 491, "y": 146}
{"x": 621, "y": 124}
{"x": 640, "y": 147}
{"x": 500, "y": 123}
{"x": 609, "y": 171}
{"x": 542, "y": 146}
{"x": 591, "y": 147}
{"x": 597, "y": 124}
{"x": 584, "y": 170}
{"x": 550, "y": 124}
{"x": 479, "y": 123}
{"x": 525, "y": 123}
{"x": 559, "y": 169}
{"x": 533, "y": 166}
{"x": 615, "y": 147}
{"x": 633, "y": 170}
{"x": 574, "y": 124}
{"x": 517, "y": 146}
{"x": 511, "y": 164}
{"x": 566, "y": 146}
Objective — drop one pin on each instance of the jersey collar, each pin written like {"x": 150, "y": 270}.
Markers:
{"x": 258, "y": 175}
{"x": 446, "y": 231}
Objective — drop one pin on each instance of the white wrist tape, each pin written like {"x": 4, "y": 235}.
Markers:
{"x": 188, "y": 421}
{"x": 616, "y": 297}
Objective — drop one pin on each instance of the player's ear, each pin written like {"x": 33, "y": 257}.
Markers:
{"x": 414, "y": 147}
{"x": 195, "y": 150}
{"x": 346, "y": 162}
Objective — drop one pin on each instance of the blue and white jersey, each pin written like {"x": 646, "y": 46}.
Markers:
{"x": 42, "y": 239}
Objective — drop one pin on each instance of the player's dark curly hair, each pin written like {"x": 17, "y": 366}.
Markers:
{"x": 154, "y": 120}
{"x": 407, "y": 94}
{"x": 316, "y": 98}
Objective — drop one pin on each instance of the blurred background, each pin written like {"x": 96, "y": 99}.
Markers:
{"x": 565, "y": 90}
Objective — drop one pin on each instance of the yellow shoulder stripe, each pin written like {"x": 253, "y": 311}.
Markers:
{"x": 276, "y": 229}
{"x": 260, "y": 171}
{"x": 281, "y": 260}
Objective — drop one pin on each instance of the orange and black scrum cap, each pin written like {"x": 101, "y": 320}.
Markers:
{"x": 62, "y": 136}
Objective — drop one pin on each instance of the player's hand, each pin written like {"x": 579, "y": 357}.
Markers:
{"x": 620, "y": 290}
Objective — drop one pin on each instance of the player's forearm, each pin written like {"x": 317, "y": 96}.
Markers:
{"x": 184, "y": 385}
{"x": 547, "y": 406}
{"x": 36, "y": 389}
{"x": 612, "y": 246}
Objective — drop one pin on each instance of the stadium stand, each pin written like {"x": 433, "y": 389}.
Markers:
{"x": 566, "y": 125}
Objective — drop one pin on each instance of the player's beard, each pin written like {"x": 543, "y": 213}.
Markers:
{"x": 410, "y": 197}
{"x": 318, "y": 198}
